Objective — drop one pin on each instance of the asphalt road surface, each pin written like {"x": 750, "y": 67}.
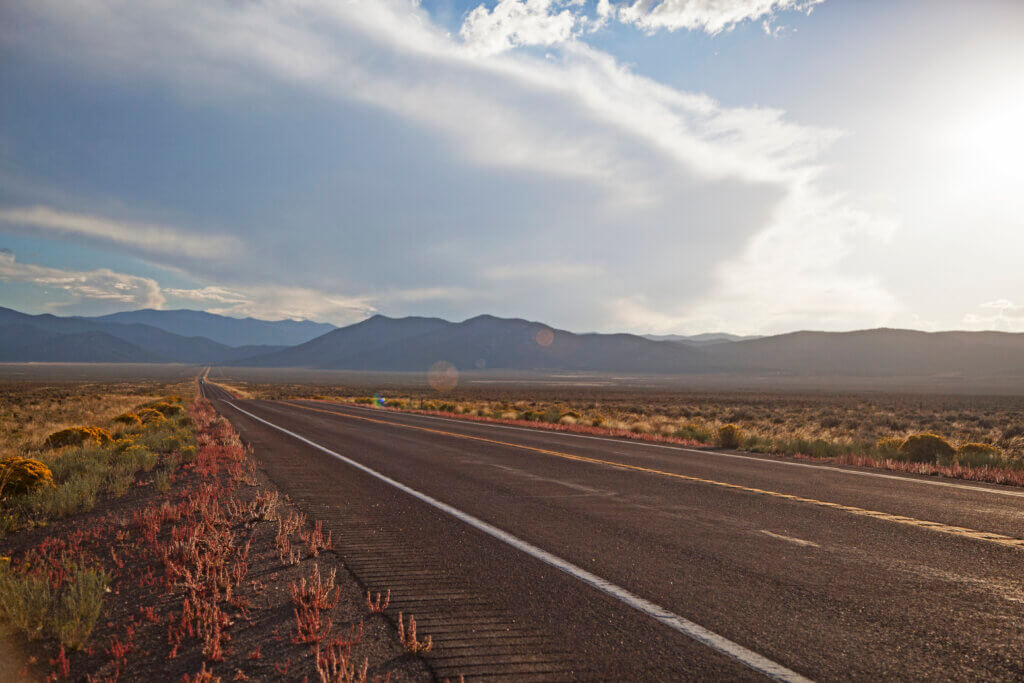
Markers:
{"x": 531, "y": 554}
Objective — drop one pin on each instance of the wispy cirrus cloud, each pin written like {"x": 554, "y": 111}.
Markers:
{"x": 140, "y": 236}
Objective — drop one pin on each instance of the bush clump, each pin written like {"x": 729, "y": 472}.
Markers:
{"x": 730, "y": 436}
{"x": 67, "y": 612}
{"x": 150, "y": 416}
{"x": 22, "y": 475}
{"x": 129, "y": 419}
{"x": 166, "y": 409}
{"x": 76, "y": 436}
{"x": 979, "y": 455}
{"x": 927, "y": 448}
{"x": 694, "y": 432}
{"x": 890, "y": 445}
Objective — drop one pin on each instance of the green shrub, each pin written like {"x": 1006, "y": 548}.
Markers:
{"x": 70, "y": 498}
{"x": 25, "y": 600}
{"x": 926, "y": 448}
{"x": 188, "y": 454}
{"x": 889, "y": 446}
{"x": 730, "y": 436}
{"x": 694, "y": 432}
{"x": 980, "y": 455}
{"x": 551, "y": 415}
{"x": 162, "y": 480}
{"x": 32, "y": 605}
{"x": 78, "y": 606}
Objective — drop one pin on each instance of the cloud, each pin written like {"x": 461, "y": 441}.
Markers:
{"x": 790, "y": 276}
{"x": 551, "y": 272}
{"x": 1006, "y": 316}
{"x": 100, "y": 285}
{"x": 515, "y": 23}
{"x": 699, "y": 210}
{"x": 208, "y": 295}
{"x": 710, "y": 16}
{"x": 140, "y": 236}
{"x": 272, "y": 303}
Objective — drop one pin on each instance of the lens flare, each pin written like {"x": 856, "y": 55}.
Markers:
{"x": 442, "y": 376}
{"x": 545, "y": 337}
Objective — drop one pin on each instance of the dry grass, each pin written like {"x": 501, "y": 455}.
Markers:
{"x": 29, "y": 411}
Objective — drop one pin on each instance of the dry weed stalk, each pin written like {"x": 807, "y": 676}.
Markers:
{"x": 409, "y": 640}
{"x": 316, "y": 592}
{"x": 376, "y": 606}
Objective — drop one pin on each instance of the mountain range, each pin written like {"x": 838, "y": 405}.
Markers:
{"x": 222, "y": 329}
{"x": 485, "y": 342}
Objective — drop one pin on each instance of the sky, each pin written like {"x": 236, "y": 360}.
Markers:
{"x": 647, "y": 166}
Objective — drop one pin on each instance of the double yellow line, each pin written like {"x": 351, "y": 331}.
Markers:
{"x": 962, "y": 532}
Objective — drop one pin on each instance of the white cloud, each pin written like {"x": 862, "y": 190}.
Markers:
{"x": 1005, "y": 316}
{"x": 271, "y": 303}
{"x": 100, "y": 285}
{"x": 208, "y": 295}
{"x": 515, "y": 23}
{"x": 792, "y": 274}
{"x": 711, "y": 16}
{"x": 141, "y": 236}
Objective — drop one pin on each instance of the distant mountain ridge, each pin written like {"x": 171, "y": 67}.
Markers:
{"x": 49, "y": 338}
{"x": 223, "y": 329}
{"x": 414, "y": 344}
{"x": 408, "y": 344}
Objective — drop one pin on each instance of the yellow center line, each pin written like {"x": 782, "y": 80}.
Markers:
{"x": 962, "y": 532}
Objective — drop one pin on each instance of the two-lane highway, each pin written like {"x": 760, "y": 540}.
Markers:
{"x": 768, "y": 566}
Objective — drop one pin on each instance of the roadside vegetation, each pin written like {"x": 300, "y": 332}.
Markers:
{"x": 138, "y": 535}
{"x": 967, "y": 437}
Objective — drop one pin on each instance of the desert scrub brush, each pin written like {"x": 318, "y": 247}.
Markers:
{"x": 76, "y": 436}
{"x": 21, "y": 475}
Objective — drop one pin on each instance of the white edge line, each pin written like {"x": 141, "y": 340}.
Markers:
{"x": 635, "y": 442}
{"x": 716, "y": 642}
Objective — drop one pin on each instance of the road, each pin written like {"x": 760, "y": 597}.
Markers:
{"x": 538, "y": 554}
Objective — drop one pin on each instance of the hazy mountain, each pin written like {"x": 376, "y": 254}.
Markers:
{"x": 223, "y": 329}
{"x": 25, "y": 343}
{"x": 382, "y": 343}
{"x": 47, "y": 337}
{"x": 414, "y": 344}
{"x": 879, "y": 352}
{"x": 487, "y": 342}
{"x": 699, "y": 339}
